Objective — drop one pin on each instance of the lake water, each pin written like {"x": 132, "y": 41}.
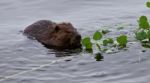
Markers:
{"x": 27, "y": 61}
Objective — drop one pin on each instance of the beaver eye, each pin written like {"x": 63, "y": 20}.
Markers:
{"x": 57, "y": 28}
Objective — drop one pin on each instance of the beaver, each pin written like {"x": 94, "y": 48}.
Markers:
{"x": 54, "y": 35}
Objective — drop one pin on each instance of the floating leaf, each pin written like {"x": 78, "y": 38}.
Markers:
{"x": 108, "y": 41}
{"x": 86, "y": 40}
{"x": 105, "y": 42}
{"x": 97, "y": 35}
{"x": 143, "y": 22}
{"x": 105, "y": 31}
{"x": 148, "y": 34}
{"x": 122, "y": 40}
{"x": 98, "y": 57}
{"x": 87, "y": 43}
{"x": 141, "y": 35}
{"x": 89, "y": 46}
{"x": 148, "y": 4}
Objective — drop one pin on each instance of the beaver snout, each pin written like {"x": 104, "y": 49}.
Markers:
{"x": 76, "y": 41}
{"x": 78, "y": 37}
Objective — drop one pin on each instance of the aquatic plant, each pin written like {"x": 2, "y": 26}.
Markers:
{"x": 148, "y": 4}
{"x": 87, "y": 43}
{"x": 98, "y": 57}
{"x": 143, "y": 32}
{"x": 98, "y": 42}
{"x": 143, "y": 23}
{"x": 122, "y": 41}
{"x": 103, "y": 44}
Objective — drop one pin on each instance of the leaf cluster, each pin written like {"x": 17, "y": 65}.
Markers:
{"x": 103, "y": 44}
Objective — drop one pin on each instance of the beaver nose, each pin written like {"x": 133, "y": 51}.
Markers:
{"x": 76, "y": 41}
{"x": 78, "y": 37}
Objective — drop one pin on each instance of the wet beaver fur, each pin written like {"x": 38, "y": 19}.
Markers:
{"x": 54, "y": 35}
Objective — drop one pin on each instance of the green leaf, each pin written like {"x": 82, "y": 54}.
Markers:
{"x": 105, "y": 42}
{"x": 98, "y": 57}
{"x": 148, "y": 34}
{"x": 97, "y": 35}
{"x": 105, "y": 31}
{"x": 122, "y": 40}
{"x": 141, "y": 35}
{"x": 89, "y": 46}
{"x": 86, "y": 40}
{"x": 148, "y": 4}
{"x": 143, "y": 22}
{"x": 87, "y": 43}
{"x": 108, "y": 41}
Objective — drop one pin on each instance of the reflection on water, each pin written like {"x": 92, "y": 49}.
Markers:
{"x": 27, "y": 61}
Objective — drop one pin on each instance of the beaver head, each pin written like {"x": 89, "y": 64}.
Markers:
{"x": 64, "y": 35}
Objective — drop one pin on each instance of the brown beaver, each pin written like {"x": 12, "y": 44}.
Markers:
{"x": 54, "y": 35}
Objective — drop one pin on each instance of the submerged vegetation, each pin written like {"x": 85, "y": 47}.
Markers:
{"x": 101, "y": 44}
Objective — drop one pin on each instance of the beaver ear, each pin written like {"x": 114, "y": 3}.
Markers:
{"x": 57, "y": 28}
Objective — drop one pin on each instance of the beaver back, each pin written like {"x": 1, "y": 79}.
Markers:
{"x": 40, "y": 29}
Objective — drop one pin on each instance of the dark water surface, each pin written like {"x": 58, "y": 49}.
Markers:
{"x": 27, "y": 61}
